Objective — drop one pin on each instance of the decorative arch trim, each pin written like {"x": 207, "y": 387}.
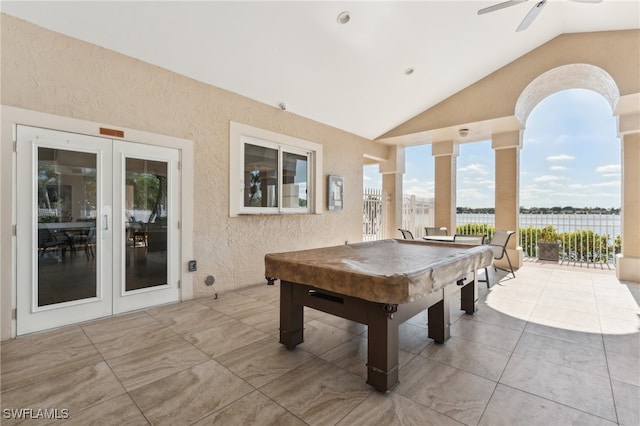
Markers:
{"x": 573, "y": 76}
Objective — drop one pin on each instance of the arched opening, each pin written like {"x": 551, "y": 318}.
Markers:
{"x": 570, "y": 168}
{"x": 570, "y": 152}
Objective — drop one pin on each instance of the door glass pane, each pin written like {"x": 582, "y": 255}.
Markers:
{"x": 294, "y": 180}
{"x": 67, "y": 199}
{"x": 146, "y": 228}
{"x": 260, "y": 176}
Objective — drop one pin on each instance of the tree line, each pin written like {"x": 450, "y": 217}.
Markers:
{"x": 545, "y": 210}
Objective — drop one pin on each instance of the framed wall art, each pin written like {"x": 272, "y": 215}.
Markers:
{"x": 335, "y": 193}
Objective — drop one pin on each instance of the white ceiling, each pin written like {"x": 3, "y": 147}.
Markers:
{"x": 348, "y": 76}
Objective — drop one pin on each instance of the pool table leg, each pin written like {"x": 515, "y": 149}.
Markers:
{"x": 438, "y": 321}
{"x": 291, "y": 316}
{"x": 469, "y": 297}
{"x": 382, "y": 350}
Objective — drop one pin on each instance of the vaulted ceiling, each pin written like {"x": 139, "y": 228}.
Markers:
{"x": 390, "y": 62}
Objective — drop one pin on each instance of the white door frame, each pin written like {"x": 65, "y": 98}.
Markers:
{"x": 30, "y": 316}
{"x": 11, "y": 117}
{"x": 124, "y": 301}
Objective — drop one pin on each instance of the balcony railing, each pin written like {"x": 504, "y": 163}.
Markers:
{"x": 373, "y": 223}
{"x": 583, "y": 238}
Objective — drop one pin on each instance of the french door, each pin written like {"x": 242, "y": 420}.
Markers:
{"x": 97, "y": 226}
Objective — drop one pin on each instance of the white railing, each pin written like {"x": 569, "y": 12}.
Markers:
{"x": 374, "y": 209}
{"x": 48, "y": 212}
{"x": 584, "y": 238}
{"x": 417, "y": 213}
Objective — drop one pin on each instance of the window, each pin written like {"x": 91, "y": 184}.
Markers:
{"x": 272, "y": 173}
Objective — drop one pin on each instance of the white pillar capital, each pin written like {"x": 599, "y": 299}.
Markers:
{"x": 507, "y": 140}
{"x": 395, "y": 162}
{"x": 629, "y": 123}
{"x": 445, "y": 148}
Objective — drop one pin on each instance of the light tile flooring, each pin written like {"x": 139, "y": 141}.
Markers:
{"x": 553, "y": 346}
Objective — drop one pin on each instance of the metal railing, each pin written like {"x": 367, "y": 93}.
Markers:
{"x": 374, "y": 208}
{"x": 582, "y": 238}
{"x": 417, "y": 213}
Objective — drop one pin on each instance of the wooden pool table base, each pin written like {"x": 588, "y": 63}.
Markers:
{"x": 382, "y": 319}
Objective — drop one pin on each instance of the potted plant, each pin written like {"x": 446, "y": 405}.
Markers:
{"x": 548, "y": 244}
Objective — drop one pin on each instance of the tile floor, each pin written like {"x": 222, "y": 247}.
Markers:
{"x": 554, "y": 346}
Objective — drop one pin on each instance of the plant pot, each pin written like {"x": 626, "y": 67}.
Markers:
{"x": 548, "y": 251}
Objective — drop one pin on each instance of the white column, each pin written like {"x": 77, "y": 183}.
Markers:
{"x": 507, "y": 177}
{"x": 628, "y": 261}
{"x": 392, "y": 171}
{"x": 445, "y": 154}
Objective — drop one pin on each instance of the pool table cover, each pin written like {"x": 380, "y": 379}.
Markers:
{"x": 385, "y": 271}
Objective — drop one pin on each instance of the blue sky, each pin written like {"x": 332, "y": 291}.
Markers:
{"x": 570, "y": 157}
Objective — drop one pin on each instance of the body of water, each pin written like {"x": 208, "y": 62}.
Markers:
{"x": 599, "y": 223}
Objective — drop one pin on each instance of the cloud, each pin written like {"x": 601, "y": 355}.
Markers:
{"x": 578, "y": 186}
{"x": 419, "y": 188}
{"x": 562, "y": 157}
{"x": 547, "y": 178}
{"x": 609, "y": 168}
{"x": 473, "y": 194}
{"x": 557, "y": 168}
{"x": 475, "y": 168}
{"x": 477, "y": 181}
{"x": 412, "y": 181}
{"x": 613, "y": 183}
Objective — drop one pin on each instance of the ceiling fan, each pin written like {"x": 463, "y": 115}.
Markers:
{"x": 533, "y": 13}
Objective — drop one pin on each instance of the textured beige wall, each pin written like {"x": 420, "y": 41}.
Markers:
{"x": 616, "y": 52}
{"x": 49, "y": 72}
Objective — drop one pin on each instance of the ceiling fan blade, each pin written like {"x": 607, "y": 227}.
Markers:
{"x": 531, "y": 16}
{"x": 500, "y": 6}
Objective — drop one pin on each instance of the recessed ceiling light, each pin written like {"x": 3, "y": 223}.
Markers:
{"x": 408, "y": 71}
{"x": 344, "y": 17}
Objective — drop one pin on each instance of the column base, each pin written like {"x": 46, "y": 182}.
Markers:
{"x": 628, "y": 268}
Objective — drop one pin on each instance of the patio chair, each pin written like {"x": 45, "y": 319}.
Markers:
{"x": 406, "y": 234}
{"x": 498, "y": 244}
{"x": 90, "y": 243}
{"x": 47, "y": 240}
{"x": 477, "y": 240}
{"x": 432, "y": 231}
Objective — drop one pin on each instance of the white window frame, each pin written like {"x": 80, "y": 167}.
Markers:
{"x": 241, "y": 134}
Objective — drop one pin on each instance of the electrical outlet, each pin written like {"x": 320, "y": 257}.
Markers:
{"x": 193, "y": 266}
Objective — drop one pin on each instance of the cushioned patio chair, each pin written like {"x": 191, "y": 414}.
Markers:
{"x": 432, "y": 231}
{"x": 498, "y": 244}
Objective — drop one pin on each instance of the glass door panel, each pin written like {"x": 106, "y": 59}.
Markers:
{"x": 64, "y": 243}
{"x": 146, "y": 235}
{"x": 146, "y": 229}
{"x": 66, "y": 215}
{"x": 75, "y": 261}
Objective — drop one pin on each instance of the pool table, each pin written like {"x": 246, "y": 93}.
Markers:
{"x": 380, "y": 284}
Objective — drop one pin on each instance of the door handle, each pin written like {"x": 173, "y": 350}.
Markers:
{"x": 106, "y": 222}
